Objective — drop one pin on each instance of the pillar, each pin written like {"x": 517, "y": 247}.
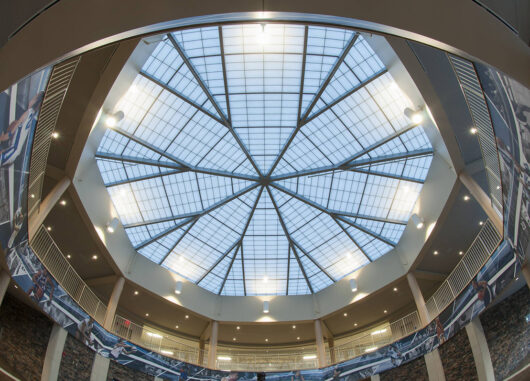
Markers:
{"x": 331, "y": 345}
{"x": 483, "y": 200}
{"x": 47, "y": 205}
{"x": 212, "y": 351}
{"x": 113, "y": 304}
{"x": 418, "y": 299}
{"x": 525, "y": 271}
{"x": 201, "y": 352}
{"x": 375, "y": 377}
{"x": 4, "y": 284}
{"x": 321, "y": 351}
{"x": 100, "y": 368}
{"x": 481, "y": 352}
{"x": 54, "y": 354}
{"x": 435, "y": 368}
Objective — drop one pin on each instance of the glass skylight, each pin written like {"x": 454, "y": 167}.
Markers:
{"x": 264, "y": 159}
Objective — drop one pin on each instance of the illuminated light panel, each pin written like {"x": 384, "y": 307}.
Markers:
{"x": 248, "y": 173}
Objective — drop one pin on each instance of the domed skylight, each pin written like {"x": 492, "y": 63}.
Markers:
{"x": 264, "y": 159}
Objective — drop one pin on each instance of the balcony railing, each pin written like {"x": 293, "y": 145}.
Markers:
{"x": 472, "y": 261}
{"x": 53, "y": 259}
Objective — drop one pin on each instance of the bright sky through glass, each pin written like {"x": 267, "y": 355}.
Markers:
{"x": 264, "y": 159}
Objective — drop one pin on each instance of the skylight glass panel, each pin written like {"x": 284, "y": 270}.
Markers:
{"x": 248, "y": 172}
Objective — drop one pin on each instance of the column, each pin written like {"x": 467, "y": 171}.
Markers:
{"x": 483, "y": 200}
{"x": 4, "y": 284}
{"x": 201, "y": 352}
{"x": 212, "y": 351}
{"x": 435, "y": 368}
{"x": 54, "y": 354}
{"x": 481, "y": 352}
{"x": 331, "y": 345}
{"x": 113, "y": 303}
{"x": 525, "y": 271}
{"x": 375, "y": 377}
{"x": 321, "y": 351}
{"x": 418, "y": 299}
{"x": 47, "y": 205}
{"x": 100, "y": 368}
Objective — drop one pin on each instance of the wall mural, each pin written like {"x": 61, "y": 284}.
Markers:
{"x": 19, "y": 108}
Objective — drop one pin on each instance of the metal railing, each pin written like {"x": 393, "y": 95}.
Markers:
{"x": 472, "y": 89}
{"x": 58, "y": 266}
{"x": 267, "y": 359}
{"x": 158, "y": 341}
{"x": 472, "y": 261}
{"x": 51, "y": 106}
{"x": 367, "y": 342}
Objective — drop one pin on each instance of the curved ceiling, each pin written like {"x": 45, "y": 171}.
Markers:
{"x": 262, "y": 159}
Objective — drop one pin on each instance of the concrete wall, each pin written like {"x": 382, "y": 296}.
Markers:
{"x": 508, "y": 333}
{"x": 24, "y": 335}
{"x": 415, "y": 370}
{"x": 457, "y": 358}
{"x": 77, "y": 360}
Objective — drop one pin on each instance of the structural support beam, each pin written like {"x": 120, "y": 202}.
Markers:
{"x": 201, "y": 352}
{"x": 331, "y": 346}
{"x": 483, "y": 200}
{"x": 4, "y": 284}
{"x": 113, "y": 303}
{"x": 418, "y": 299}
{"x": 47, "y": 205}
{"x": 481, "y": 352}
{"x": 321, "y": 350}
{"x": 212, "y": 351}
{"x": 525, "y": 270}
{"x": 100, "y": 368}
{"x": 435, "y": 369}
{"x": 54, "y": 354}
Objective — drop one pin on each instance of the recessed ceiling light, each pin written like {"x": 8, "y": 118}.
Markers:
{"x": 466, "y": 198}
{"x": 298, "y": 338}
{"x": 94, "y": 257}
{"x": 177, "y": 327}
{"x": 233, "y": 339}
{"x": 481, "y": 223}
{"x": 49, "y": 228}
{"x": 136, "y": 293}
{"x": 473, "y": 130}
{"x": 68, "y": 256}
{"x": 238, "y": 328}
{"x": 385, "y": 311}
{"x": 355, "y": 324}
{"x": 55, "y": 135}
{"x": 294, "y": 326}
{"x": 345, "y": 314}
{"x": 62, "y": 202}
{"x": 147, "y": 314}
{"x": 435, "y": 252}
{"x": 187, "y": 316}
{"x": 395, "y": 289}
{"x": 460, "y": 252}
{"x": 267, "y": 340}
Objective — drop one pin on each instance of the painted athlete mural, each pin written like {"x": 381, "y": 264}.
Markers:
{"x": 19, "y": 110}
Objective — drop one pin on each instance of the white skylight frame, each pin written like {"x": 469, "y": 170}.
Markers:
{"x": 227, "y": 264}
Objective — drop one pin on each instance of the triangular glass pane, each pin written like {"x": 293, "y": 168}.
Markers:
{"x": 214, "y": 279}
{"x": 360, "y": 64}
{"x": 297, "y": 282}
{"x": 137, "y": 234}
{"x": 373, "y": 247}
{"x": 324, "y": 47}
{"x": 157, "y": 250}
{"x": 202, "y": 46}
{"x": 111, "y": 171}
